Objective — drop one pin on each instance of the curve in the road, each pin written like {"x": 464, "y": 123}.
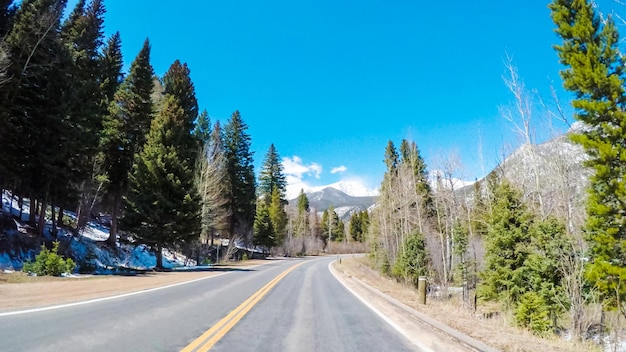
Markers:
{"x": 217, "y": 331}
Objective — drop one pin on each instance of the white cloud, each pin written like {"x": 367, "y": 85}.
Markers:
{"x": 295, "y": 171}
{"x": 339, "y": 169}
{"x": 295, "y": 167}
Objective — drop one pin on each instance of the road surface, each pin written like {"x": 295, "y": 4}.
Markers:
{"x": 286, "y": 305}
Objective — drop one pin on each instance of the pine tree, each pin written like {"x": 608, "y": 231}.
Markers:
{"x": 595, "y": 74}
{"x": 302, "y": 217}
{"x": 111, "y": 75}
{"x": 507, "y": 246}
{"x": 35, "y": 160}
{"x": 332, "y": 227}
{"x": 271, "y": 175}
{"x": 242, "y": 192}
{"x": 202, "y": 132}
{"x": 272, "y": 189}
{"x": 263, "y": 229}
{"x": 358, "y": 227}
{"x": 278, "y": 216}
{"x": 124, "y": 129}
{"x": 162, "y": 206}
{"x": 82, "y": 34}
{"x": 177, "y": 82}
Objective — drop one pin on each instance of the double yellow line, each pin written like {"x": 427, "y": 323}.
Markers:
{"x": 217, "y": 331}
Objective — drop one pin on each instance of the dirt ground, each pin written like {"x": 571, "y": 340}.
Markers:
{"x": 497, "y": 331}
{"x": 31, "y": 292}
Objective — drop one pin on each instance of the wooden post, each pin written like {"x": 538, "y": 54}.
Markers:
{"x": 421, "y": 290}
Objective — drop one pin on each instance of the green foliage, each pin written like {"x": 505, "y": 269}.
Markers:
{"x": 595, "y": 73}
{"x": 278, "y": 216}
{"x": 240, "y": 166}
{"x": 412, "y": 261}
{"x": 162, "y": 205}
{"x": 332, "y": 226}
{"x": 532, "y": 312}
{"x": 271, "y": 175}
{"x": 507, "y": 246}
{"x": 263, "y": 230}
{"x": 522, "y": 261}
{"x": 49, "y": 262}
{"x": 302, "y": 218}
{"x": 358, "y": 227}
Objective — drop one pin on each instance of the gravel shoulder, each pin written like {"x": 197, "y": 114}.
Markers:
{"x": 46, "y": 291}
{"x": 497, "y": 332}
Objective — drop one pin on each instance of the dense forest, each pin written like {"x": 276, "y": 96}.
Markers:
{"x": 80, "y": 134}
{"x": 77, "y": 133}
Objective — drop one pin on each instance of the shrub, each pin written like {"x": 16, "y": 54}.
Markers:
{"x": 49, "y": 262}
{"x": 532, "y": 313}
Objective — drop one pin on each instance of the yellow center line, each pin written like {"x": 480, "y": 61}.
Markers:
{"x": 217, "y": 331}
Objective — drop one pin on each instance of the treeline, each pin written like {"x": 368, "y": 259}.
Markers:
{"x": 522, "y": 241}
{"x": 80, "y": 134}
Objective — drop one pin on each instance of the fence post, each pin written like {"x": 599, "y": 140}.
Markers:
{"x": 421, "y": 290}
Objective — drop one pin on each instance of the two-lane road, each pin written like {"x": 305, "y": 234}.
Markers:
{"x": 286, "y": 305}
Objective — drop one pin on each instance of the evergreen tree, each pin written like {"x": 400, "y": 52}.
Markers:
{"x": 302, "y": 219}
{"x": 332, "y": 227}
{"x": 507, "y": 246}
{"x": 35, "y": 160}
{"x": 82, "y": 35}
{"x": 177, "y": 82}
{"x": 202, "y": 132}
{"x": 239, "y": 160}
{"x": 412, "y": 159}
{"x": 595, "y": 74}
{"x": 111, "y": 75}
{"x": 162, "y": 206}
{"x": 358, "y": 227}
{"x": 263, "y": 229}
{"x": 124, "y": 129}
{"x": 272, "y": 190}
{"x": 271, "y": 175}
{"x": 412, "y": 260}
{"x": 278, "y": 216}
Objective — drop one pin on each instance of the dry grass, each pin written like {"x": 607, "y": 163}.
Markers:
{"x": 497, "y": 331}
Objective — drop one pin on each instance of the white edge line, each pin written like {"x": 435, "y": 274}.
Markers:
{"x": 34, "y": 310}
{"x": 379, "y": 313}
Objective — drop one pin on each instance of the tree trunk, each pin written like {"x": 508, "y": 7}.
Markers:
{"x": 159, "y": 263}
{"x": 42, "y": 217}
{"x": 54, "y": 221}
{"x": 32, "y": 212}
{"x": 60, "y": 217}
{"x": 112, "y": 240}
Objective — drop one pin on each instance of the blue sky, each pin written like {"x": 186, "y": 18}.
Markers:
{"x": 331, "y": 82}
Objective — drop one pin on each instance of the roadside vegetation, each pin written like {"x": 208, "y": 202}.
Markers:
{"x": 525, "y": 241}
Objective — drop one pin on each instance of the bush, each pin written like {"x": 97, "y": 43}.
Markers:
{"x": 412, "y": 260}
{"x": 49, "y": 262}
{"x": 532, "y": 313}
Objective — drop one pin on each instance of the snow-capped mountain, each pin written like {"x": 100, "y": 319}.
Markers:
{"x": 344, "y": 204}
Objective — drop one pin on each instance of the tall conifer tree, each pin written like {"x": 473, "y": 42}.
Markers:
{"x": 242, "y": 192}
{"x": 162, "y": 205}
{"x": 595, "y": 73}
{"x": 124, "y": 130}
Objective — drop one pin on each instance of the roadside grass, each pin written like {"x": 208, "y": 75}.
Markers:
{"x": 497, "y": 330}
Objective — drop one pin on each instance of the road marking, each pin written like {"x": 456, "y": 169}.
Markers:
{"x": 217, "y": 331}
{"x": 34, "y": 310}
{"x": 384, "y": 317}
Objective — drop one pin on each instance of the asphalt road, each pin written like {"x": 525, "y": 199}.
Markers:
{"x": 306, "y": 309}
